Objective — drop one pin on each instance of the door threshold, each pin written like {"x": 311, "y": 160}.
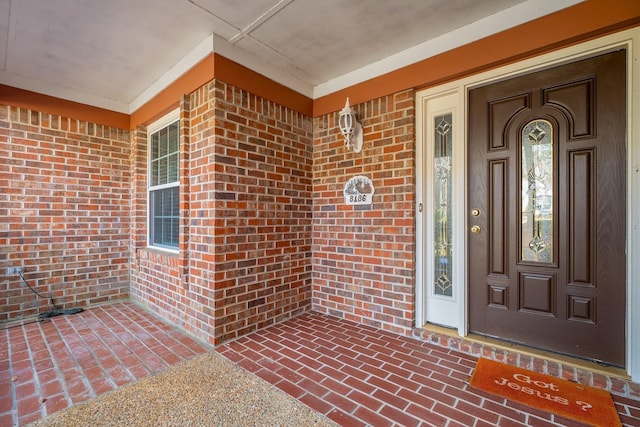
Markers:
{"x": 572, "y": 368}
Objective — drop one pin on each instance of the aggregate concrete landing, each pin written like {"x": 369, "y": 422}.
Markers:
{"x": 206, "y": 390}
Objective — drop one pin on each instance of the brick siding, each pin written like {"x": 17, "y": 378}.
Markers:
{"x": 246, "y": 254}
{"x": 64, "y": 188}
{"x": 159, "y": 279}
{"x": 363, "y": 256}
{"x": 245, "y": 258}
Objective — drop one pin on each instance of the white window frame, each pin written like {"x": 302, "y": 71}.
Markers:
{"x": 156, "y": 126}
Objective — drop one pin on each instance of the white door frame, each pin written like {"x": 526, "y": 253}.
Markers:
{"x": 630, "y": 40}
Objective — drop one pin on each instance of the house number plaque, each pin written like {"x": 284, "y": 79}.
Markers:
{"x": 358, "y": 191}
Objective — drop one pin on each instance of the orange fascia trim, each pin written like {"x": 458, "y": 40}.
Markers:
{"x": 220, "y": 68}
{"x": 169, "y": 98}
{"x": 49, "y": 104}
{"x": 569, "y": 26}
{"x": 240, "y": 76}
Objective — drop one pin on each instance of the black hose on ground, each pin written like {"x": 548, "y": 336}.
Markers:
{"x": 57, "y": 311}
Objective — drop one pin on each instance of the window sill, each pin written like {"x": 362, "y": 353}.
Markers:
{"x": 159, "y": 250}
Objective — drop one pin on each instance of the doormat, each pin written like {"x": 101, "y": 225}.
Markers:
{"x": 565, "y": 398}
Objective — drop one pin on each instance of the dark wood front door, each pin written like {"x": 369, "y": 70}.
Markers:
{"x": 547, "y": 201}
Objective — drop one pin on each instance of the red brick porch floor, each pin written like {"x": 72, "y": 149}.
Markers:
{"x": 51, "y": 365}
{"x": 354, "y": 374}
{"x": 358, "y": 375}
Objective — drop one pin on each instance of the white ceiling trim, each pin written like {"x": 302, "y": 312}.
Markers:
{"x": 190, "y": 60}
{"x": 215, "y": 44}
{"x": 508, "y": 18}
{"x": 62, "y": 92}
{"x": 241, "y": 56}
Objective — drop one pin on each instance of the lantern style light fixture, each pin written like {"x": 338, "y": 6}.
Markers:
{"x": 350, "y": 128}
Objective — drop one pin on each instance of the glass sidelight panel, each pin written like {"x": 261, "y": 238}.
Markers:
{"x": 443, "y": 148}
{"x": 537, "y": 192}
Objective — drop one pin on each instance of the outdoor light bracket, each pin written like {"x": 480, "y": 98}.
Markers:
{"x": 350, "y": 128}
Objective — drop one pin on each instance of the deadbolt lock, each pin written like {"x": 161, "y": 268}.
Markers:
{"x": 475, "y": 229}
{"x": 475, "y": 212}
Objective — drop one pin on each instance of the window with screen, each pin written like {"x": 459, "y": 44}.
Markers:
{"x": 164, "y": 190}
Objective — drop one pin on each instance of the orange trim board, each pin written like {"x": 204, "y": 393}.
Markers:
{"x": 571, "y": 400}
{"x": 48, "y": 104}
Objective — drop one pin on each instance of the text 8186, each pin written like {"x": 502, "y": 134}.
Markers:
{"x": 357, "y": 198}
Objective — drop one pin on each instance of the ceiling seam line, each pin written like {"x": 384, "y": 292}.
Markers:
{"x": 261, "y": 20}
{"x": 11, "y": 18}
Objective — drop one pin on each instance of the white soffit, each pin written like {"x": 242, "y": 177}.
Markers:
{"x": 200, "y": 52}
{"x": 503, "y": 20}
{"x": 253, "y": 52}
{"x": 215, "y": 44}
{"x": 119, "y": 54}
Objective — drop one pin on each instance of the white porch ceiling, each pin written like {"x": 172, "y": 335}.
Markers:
{"x": 117, "y": 54}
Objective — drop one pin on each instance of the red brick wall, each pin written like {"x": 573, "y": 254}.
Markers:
{"x": 64, "y": 188}
{"x": 363, "y": 256}
{"x": 159, "y": 280}
{"x": 262, "y": 221}
{"x": 246, "y": 238}
{"x": 249, "y": 171}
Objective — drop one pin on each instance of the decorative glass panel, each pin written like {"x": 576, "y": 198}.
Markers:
{"x": 537, "y": 192}
{"x": 443, "y": 143}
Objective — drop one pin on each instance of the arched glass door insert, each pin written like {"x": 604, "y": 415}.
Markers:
{"x": 537, "y": 213}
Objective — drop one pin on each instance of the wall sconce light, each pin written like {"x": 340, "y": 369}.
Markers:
{"x": 350, "y": 128}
